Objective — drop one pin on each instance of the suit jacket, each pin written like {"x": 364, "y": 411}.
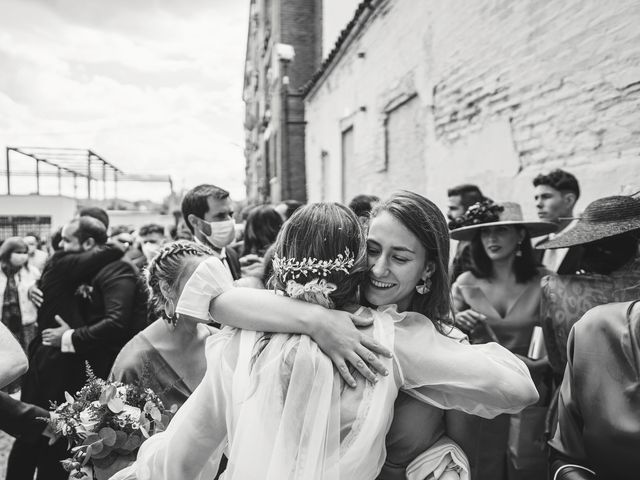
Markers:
{"x": 21, "y": 419}
{"x": 571, "y": 263}
{"x": 62, "y": 276}
{"x": 114, "y": 313}
{"x": 52, "y": 372}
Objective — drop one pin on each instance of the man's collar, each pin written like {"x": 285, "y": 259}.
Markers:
{"x": 572, "y": 224}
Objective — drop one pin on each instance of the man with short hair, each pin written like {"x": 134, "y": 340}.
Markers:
{"x": 152, "y": 237}
{"x": 97, "y": 213}
{"x": 208, "y": 213}
{"x": 556, "y": 194}
{"x": 51, "y": 371}
{"x": 113, "y": 306}
{"x": 37, "y": 257}
{"x": 461, "y": 198}
{"x": 362, "y": 205}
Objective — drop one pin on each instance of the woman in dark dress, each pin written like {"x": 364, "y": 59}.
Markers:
{"x": 168, "y": 355}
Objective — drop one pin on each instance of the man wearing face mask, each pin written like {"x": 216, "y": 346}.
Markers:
{"x": 208, "y": 213}
{"x": 151, "y": 238}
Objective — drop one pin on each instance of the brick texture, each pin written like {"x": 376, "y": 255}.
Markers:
{"x": 274, "y": 119}
{"x": 505, "y": 88}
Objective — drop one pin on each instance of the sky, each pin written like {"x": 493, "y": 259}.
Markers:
{"x": 152, "y": 86}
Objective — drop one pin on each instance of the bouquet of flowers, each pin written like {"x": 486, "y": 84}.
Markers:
{"x": 106, "y": 421}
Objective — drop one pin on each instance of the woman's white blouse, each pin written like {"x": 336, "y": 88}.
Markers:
{"x": 279, "y": 410}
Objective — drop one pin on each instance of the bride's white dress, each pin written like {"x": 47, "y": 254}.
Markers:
{"x": 279, "y": 410}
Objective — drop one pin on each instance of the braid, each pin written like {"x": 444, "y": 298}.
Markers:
{"x": 165, "y": 269}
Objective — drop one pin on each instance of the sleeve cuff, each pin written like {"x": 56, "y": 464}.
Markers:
{"x": 66, "y": 344}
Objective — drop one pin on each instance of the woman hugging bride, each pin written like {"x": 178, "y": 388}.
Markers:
{"x": 275, "y": 404}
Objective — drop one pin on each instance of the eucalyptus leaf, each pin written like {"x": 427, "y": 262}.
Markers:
{"x": 108, "y": 436}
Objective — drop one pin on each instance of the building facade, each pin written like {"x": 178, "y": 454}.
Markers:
{"x": 424, "y": 95}
{"x": 284, "y": 49}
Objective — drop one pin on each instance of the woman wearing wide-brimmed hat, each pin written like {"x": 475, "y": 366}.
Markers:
{"x": 598, "y": 431}
{"x": 498, "y": 299}
{"x": 608, "y": 230}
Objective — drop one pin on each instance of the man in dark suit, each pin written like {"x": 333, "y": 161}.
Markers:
{"x": 208, "y": 213}
{"x": 461, "y": 198}
{"x": 556, "y": 193}
{"x": 113, "y": 308}
{"x": 93, "y": 333}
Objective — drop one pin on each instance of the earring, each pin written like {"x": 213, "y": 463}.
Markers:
{"x": 519, "y": 251}
{"x": 172, "y": 319}
{"x": 171, "y": 322}
{"x": 424, "y": 287}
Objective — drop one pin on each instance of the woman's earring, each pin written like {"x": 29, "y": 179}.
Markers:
{"x": 171, "y": 318}
{"x": 424, "y": 287}
{"x": 519, "y": 250}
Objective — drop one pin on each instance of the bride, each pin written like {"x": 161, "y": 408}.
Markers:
{"x": 275, "y": 404}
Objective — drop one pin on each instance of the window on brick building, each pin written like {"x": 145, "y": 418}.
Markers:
{"x": 404, "y": 137}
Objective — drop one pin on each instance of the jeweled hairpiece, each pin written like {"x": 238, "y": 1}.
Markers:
{"x": 292, "y": 268}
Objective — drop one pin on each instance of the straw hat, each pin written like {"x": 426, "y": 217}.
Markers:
{"x": 510, "y": 215}
{"x": 602, "y": 218}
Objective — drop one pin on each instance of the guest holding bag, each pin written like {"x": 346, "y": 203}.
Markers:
{"x": 498, "y": 299}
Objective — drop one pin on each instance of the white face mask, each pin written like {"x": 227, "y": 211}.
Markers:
{"x": 209, "y": 280}
{"x": 222, "y": 233}
{"x": 18, "y": 259}
{"x": 150, "y": 250}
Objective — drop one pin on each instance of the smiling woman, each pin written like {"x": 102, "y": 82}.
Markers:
{"x": 397, "y": 263}
{"x": 408, "y": 251}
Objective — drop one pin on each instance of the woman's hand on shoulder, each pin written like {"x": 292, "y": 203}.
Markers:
{"x": 338, "y": 337}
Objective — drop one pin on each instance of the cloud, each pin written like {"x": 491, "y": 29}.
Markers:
{"x": 152, "y": 86}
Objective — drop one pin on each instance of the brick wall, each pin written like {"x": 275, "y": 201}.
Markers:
{"x": 274, "y": 152}
{"x": 301, "y": 26}
{"x": 508, "y": 89}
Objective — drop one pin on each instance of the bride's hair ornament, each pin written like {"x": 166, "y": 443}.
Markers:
{"x": 292, "y": 268}
{"x": 316, "y": 290}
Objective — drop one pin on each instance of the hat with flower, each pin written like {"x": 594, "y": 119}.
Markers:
{"x": 489, "y": 214}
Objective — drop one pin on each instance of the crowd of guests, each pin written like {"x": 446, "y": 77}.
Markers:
{"x": 117, "y": 298}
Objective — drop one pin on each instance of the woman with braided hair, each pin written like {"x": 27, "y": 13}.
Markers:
{"x": 169, "y": 354}
{"x": 276, "y": 405}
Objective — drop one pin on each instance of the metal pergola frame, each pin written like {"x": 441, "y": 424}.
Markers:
{"x": 76, "y": 163}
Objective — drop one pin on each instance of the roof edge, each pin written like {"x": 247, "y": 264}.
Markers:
{"x": 365, "y": 7}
